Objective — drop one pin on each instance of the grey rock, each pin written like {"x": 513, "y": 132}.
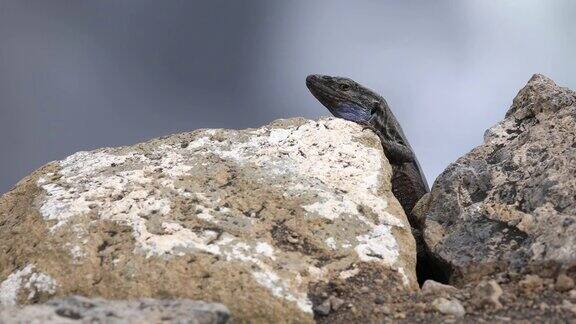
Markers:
{"x": 324, "y": 308}
{"x": 336, "y": 303}
{"x": 510, "y": 204}
{"x": 77, "y": 309}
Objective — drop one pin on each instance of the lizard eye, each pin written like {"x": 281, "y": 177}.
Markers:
{"x": 344, "y": 87}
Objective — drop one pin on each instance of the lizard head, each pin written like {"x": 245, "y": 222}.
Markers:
{"x": 346, "y": 98}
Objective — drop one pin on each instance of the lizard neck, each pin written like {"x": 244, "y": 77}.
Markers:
{"x": 379, "y": 122}
{"x": 386, "y": 125}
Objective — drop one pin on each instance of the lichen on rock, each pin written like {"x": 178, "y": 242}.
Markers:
{"x": 26, "y": 280}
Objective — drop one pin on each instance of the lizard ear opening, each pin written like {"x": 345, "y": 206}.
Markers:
{"x": 375, "y": 107}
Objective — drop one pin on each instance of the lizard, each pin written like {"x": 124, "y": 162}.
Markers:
{"x": 349, "y": 100}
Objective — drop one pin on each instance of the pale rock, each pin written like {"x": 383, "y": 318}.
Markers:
{"x": 449, "y": 307}
{"x": 431, "y": 287}
{"x": 564, "y": 283}
{"x": 488, "y": 294}
{"x": 213, "y": 214}
{"x": 531, "y": 283}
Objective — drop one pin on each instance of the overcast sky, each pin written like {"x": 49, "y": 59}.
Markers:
{"x": 78, "y": 75}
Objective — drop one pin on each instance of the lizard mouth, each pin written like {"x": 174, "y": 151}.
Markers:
{"x": 337, "y": 103}
{"x": 328, "y": 97}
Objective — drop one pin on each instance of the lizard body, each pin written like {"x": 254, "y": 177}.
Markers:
{"x": 347, "y": 99}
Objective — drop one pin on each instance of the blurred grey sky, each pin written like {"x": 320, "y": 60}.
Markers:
{"x": 82, "y": 74}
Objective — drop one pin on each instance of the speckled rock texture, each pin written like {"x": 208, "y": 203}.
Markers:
{"x": 270, "y": 222}
{"x": 510, "y": 204}
{"x": 77, "y": 309}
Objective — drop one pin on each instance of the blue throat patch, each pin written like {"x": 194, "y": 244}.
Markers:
{"x": 352, "y": 112}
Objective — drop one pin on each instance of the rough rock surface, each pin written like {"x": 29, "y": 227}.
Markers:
{"x": 76, "y": 309}
{"x": 271, "y": 222}
{"x": 510, "y": 204}
{"x": 501, "y": 298}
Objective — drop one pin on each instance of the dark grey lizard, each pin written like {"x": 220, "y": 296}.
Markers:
{"x": 347, "y": 99}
